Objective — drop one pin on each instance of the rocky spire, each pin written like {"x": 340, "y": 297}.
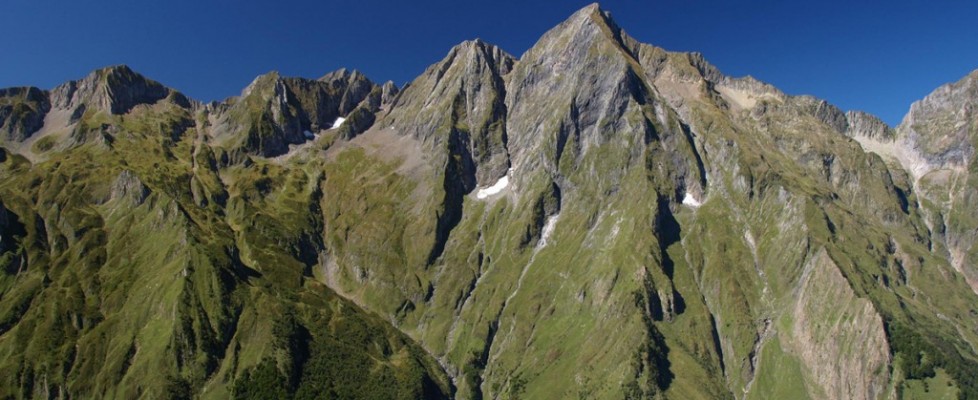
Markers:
{"x": 460, "y": 100}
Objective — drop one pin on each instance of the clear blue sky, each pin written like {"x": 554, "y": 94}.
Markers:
{"x": 876, "y": 56}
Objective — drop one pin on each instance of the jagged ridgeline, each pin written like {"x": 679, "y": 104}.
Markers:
{"x": 599, "y": 218}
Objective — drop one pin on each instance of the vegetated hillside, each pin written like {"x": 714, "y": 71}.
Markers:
{"x": 599, "y": 218}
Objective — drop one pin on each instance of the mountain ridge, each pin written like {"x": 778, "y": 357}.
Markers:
{"x": 598, "y": 218}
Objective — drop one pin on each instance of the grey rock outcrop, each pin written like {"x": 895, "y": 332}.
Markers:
{"x": 581, "y": 86}
{"x": 114, "y": 90}
{"x": 22, "y": 112}
{"x": 940, "y": 132}
{"x": 867, "y": 125}
{"x": 459, "y": 103}
{"x": 129, "y": 188}
{"x": 390, "y": 91}
{"x": 274, "y": 112}
{"x": 825, "y": 335}
{"x": 941, "y": 125}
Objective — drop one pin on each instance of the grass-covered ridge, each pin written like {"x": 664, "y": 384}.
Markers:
{"x": 137, "y": 269}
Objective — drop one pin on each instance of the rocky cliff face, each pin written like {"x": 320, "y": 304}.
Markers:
{"x": 940, "y": 132}
{"x": 274, "y": 112}
{"x": 113, "y": 90}
{"x": 841, "y": 343}
{"x": 941, "y": 124}
{"x": 863, "y": 125}
{"x": 458, "y": 105}
{"x": 22, "y": 111}
{"x": 599, "y": 218}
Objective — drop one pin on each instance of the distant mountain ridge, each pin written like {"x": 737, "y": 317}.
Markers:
{"x": 597, "y": 218}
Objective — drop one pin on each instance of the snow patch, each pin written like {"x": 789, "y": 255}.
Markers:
{"x": 339, "y": 121}
{"x": 497, "y": 187}
{"x": 308, "y": 134}
{"x": 691, "y": 201}
{"x": 548, "y": 229}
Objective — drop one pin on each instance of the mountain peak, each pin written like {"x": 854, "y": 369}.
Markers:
{"x": 592, "y": 15}
{"x": 469, "y": 45}
{"x": 940, "y": 125}
{"x": 343, "y": 74}
{"x": 115, "y": 89}
{"x": 479, "y": 51}
{"x": 590, "y": 10}
{"x": 948, "y": 98}
{"x": 260, "y": 81}
{"x": 114, "y": 70}
{"x": 119, "y": 78}
{"x": 583, "y": 29}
